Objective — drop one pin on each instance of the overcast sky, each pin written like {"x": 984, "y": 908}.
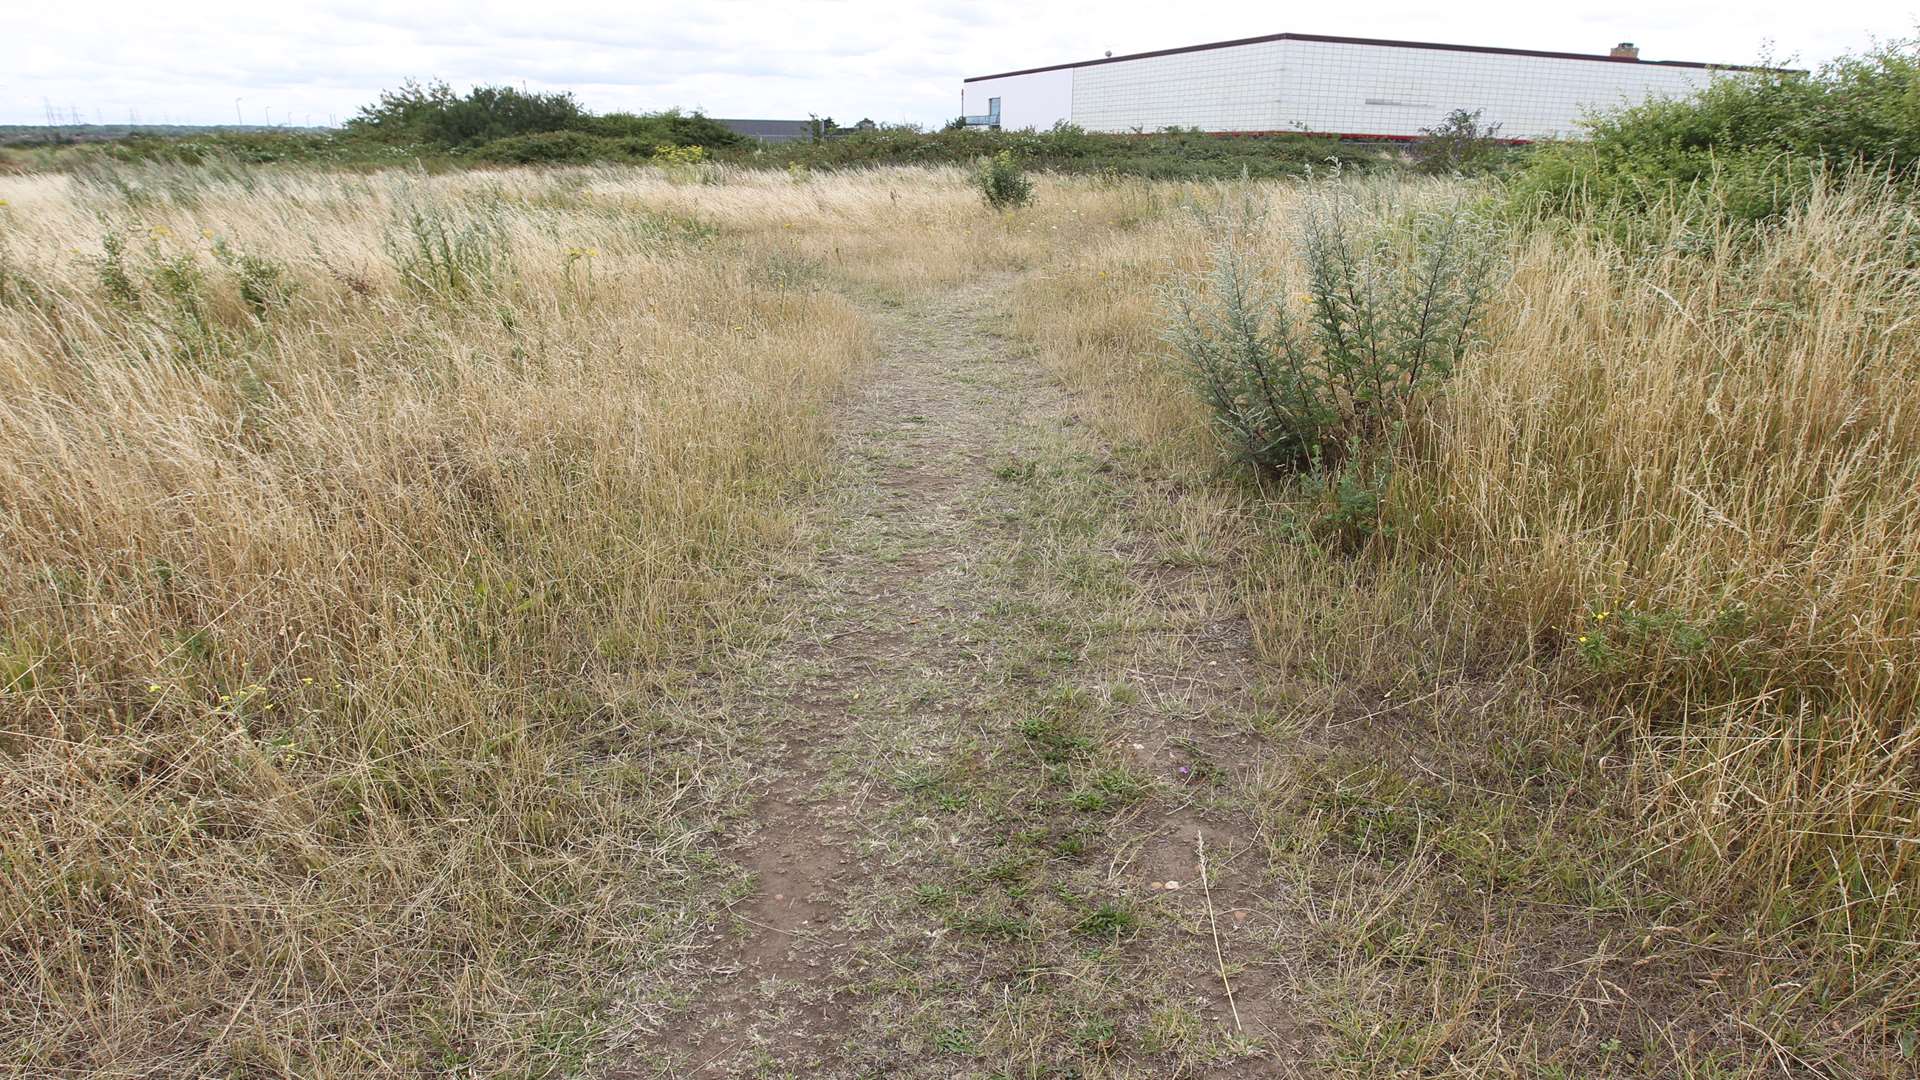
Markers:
{"x": 187, "y": 61}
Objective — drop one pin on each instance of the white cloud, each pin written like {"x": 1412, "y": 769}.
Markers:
{"x": 307, "y": 62}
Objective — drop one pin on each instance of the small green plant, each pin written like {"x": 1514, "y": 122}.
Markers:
{"x": 1003, "y": 183}
{"x": 263, "y": 282}
{"x": 16, "y": 288}
{"x": 1099, "y": 1033}
{"x": 1107, "y": 922}
{"x": 1655, "y": 642}
{"x": 1351, "y": 495}
{"x": 679, "y": 155}
{"x": 111, "y": 267}
{"x": 178, "y": 284}
{"x": 1006, "y": 927}
{"x": 1017, "y": 472}
{"x": 953, "y": 1041}
{"x": 1109, "y": 789}
{"x": 17, "y": 666}
{"x": 580, "y": 269}
{"x": 1057, "y": 733}
{"x": 179, "y": 278}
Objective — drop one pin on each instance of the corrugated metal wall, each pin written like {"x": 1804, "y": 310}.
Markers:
{"x": 1376, "y": 90}
{"x": 1231, "y": 89}
{"x": 1334, "y": 87}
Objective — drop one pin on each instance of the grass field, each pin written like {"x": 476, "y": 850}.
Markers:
{"x": 354, "y": 524}
{"x": 636, "y": 620}
{"x": 1637, "y": 642}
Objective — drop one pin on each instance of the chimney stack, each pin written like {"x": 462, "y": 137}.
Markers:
{"x": 1626, "y": 50}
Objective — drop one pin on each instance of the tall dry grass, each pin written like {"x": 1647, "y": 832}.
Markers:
{"x": 1094, "y": 315}
{"x": 902, "y": 231}
{"x": 1692, "y": 474}
{"x": 354, "y": 526}
{"x": 1677, "y": 488}
{"x": 351, "y": 527}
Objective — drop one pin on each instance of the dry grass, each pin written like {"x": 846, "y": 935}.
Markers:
{"x": 1689, "y": 477}
{"x": 1714, "y": 445}
{"x": 1694, "y": 474}
{"x": 1096, "y": 320}
{"x": 356, "y": 526}
{"x": 900, "y": 231}
{"x": 331, "y": 622}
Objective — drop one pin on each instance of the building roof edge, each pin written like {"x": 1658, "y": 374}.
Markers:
{"x": 1386, "y": 42}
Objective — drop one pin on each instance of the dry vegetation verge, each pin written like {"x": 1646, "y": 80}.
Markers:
{"x": 1627, "y": 665}
{"x": 1691, "y": 474}
{"x": 362, "y": 534}
{"x": 349, "y": 526}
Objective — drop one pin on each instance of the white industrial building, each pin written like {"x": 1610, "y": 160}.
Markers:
{"x": 1351, "y": 87}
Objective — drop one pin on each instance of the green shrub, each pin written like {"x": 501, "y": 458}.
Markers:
{"x": 434, "y": 114}
{"x": 406, "y": 135}
{"x": 669, "y": 128}
{"x": 550, "y": 148}
{"x": 496, "y": 120}
{"x": 1003, "y": 183}
{"x": 1069, "y": 149}
{"x": 1308, "y": 374}
{"x": 17, "y": 287}
{"x": 579, "y": 148}
{"x": 111, "y": 267}
{"x": 1748, "y": 146}
{"x": 248, "y": 147}
{"x": 1462, "y": 143}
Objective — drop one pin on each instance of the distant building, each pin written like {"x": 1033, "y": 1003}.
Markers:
{"x": 770, "y": 130}
{"x": 1352, "y": 87}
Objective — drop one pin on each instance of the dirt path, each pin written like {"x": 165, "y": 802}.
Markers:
{"x": 1010, "y": 706}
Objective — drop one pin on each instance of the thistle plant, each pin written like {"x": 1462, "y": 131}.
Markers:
{"x": 441, "y": 252}
{"x": 1308, "y": 366}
